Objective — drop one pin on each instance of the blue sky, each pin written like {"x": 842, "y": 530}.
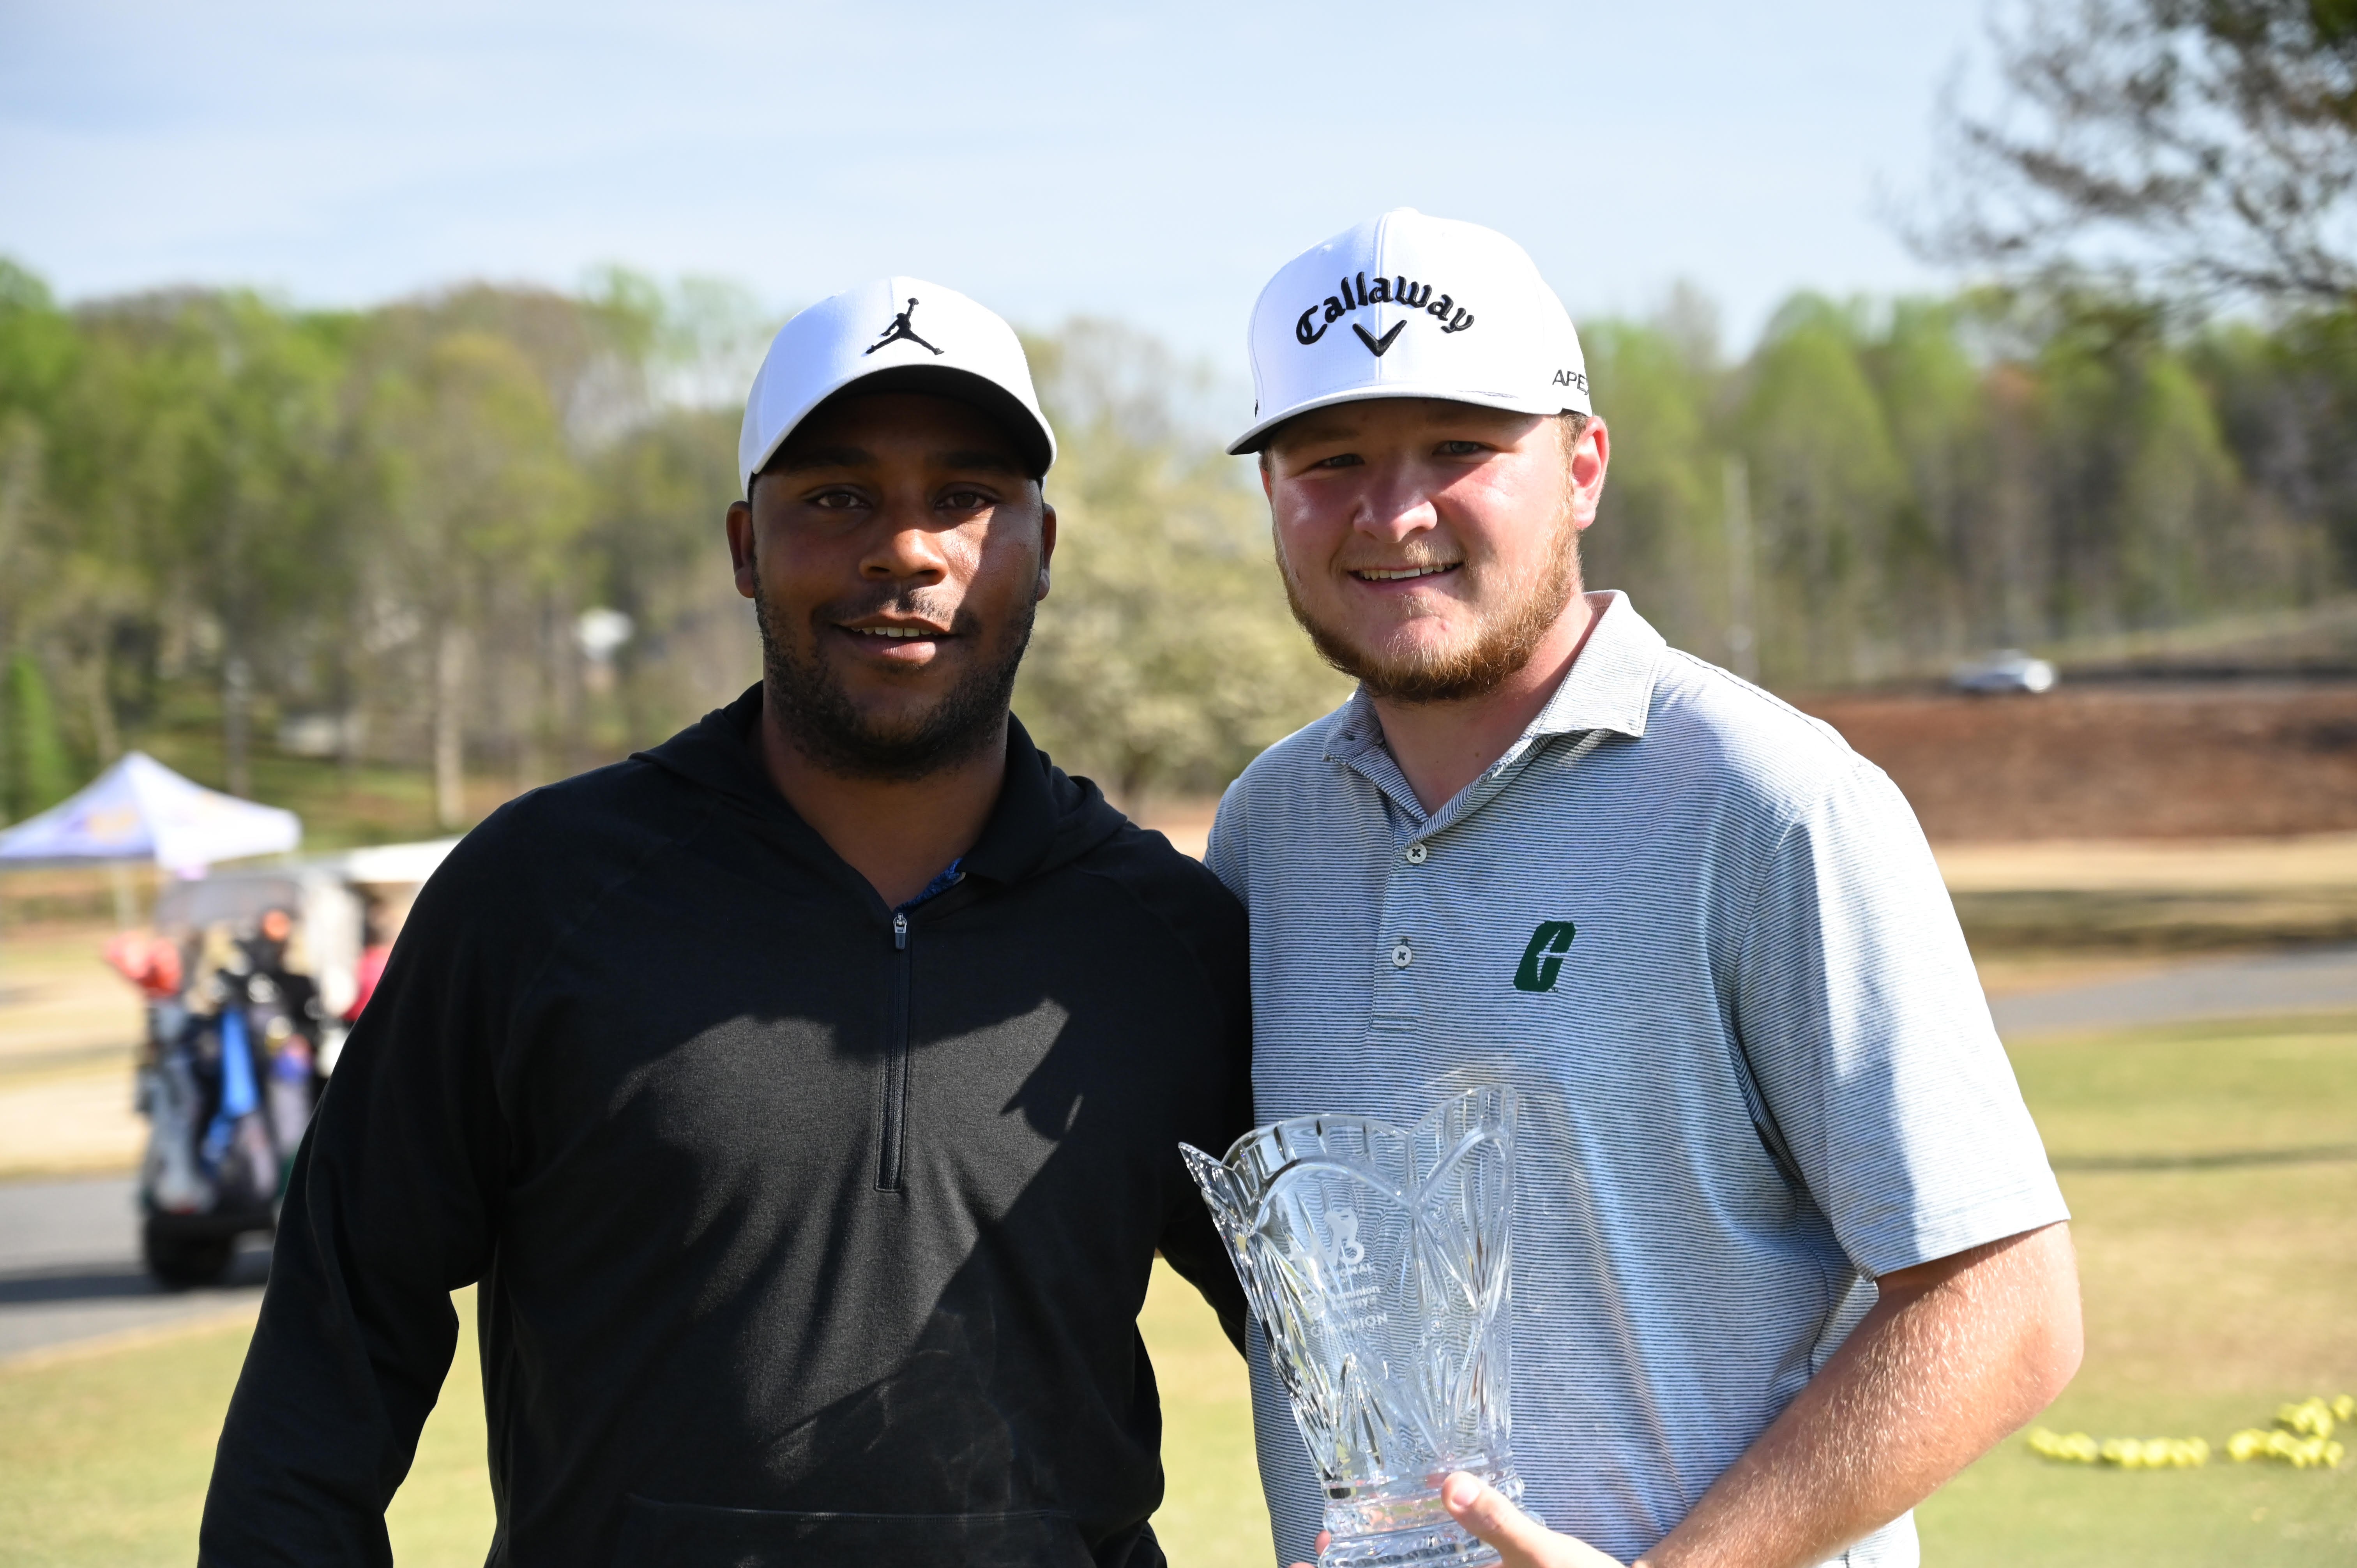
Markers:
{"x": 1153, "y": 164}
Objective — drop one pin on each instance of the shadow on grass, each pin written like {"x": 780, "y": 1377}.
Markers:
{"x": 2324, "y": 1155}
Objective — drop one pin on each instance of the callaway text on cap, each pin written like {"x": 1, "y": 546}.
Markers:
{"x": 1408, "y": 306}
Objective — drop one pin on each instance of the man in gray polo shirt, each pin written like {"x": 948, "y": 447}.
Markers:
{"x": 1788, "y": 1253}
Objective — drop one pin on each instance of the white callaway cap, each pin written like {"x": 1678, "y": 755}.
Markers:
{"x": 1411, "y": 307}
{"x": 893, "y": 334}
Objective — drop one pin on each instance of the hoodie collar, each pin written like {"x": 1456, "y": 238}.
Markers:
{"x": 1041, "y": 820}
{"x": 1021, "y": 833}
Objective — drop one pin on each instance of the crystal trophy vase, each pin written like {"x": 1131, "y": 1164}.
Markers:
{"x": 1377, "y": 1261}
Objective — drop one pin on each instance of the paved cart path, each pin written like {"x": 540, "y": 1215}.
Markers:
{"x": 2318, "y": 980}
{"x": 69, "y": 1268}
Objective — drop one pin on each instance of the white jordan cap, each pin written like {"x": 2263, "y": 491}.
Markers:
{"x": 894, "y": 335}
{"x": 1411, "y": 307}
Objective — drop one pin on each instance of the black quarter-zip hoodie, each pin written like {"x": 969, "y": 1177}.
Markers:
{"x": 802, "y": 1240}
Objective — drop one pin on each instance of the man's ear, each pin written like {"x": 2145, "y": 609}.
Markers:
{"x": 740, "y": 546}
{"x": 1047, "y": 546}
{"x": 1591, "y": 454}
{"x": 1267, "y": 479}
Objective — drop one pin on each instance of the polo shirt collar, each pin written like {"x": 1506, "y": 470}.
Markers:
{"x": 1608, "y": 687}
{"x": 1609, "y": 690}
{"x": 1611, "y": 685}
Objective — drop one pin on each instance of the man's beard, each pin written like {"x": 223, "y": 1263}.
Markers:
{"x": 1500, "y": 646}
{"x": 824, "y": 725}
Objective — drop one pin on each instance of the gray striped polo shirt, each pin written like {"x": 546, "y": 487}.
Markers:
{"x": 1707, "y": 943}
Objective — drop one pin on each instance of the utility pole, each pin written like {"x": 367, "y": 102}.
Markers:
{"x": 1742, "y": 632}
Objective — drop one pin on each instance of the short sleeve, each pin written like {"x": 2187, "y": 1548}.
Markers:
{"x": 1229, "y": 852}
{"x": 1862, "y": 1019}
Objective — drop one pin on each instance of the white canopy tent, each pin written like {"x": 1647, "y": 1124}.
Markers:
{"x": 140, "y": 810}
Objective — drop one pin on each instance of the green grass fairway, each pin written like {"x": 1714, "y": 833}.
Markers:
{"x": 103, "y": 1459}
{"x": 1211, "y": 1512}
{"x": 2210, "y": 1171}
{"x": 2219, "y": 1272}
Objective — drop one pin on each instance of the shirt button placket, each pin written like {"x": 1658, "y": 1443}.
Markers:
{"x": 1403, "y": 950}
{"x": 1405, "y": 906}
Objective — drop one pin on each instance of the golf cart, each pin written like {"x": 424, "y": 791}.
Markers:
{"x": 252, "y": 977}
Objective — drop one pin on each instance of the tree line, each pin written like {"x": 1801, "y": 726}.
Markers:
{"x": 1879, "y": 488}
{"x": 478, "y": 532}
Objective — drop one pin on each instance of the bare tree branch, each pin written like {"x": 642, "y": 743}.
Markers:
{"x": 2201, "y": 146}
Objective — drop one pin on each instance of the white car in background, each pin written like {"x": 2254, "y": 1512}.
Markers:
{"x": 2008, "y": 670}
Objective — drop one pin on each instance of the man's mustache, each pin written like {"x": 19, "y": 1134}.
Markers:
{"x": 938, "y": 609}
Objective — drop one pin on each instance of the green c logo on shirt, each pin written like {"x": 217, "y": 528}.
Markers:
{"x": 1543, "y": 960}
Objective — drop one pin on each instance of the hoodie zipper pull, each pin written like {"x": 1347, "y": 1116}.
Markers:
{"x": 899, "y": 930}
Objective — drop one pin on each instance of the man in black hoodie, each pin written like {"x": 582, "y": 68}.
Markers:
{"x": 804, "y": 1094}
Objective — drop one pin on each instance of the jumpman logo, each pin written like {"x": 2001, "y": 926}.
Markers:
{"x": 900, "y": 330}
